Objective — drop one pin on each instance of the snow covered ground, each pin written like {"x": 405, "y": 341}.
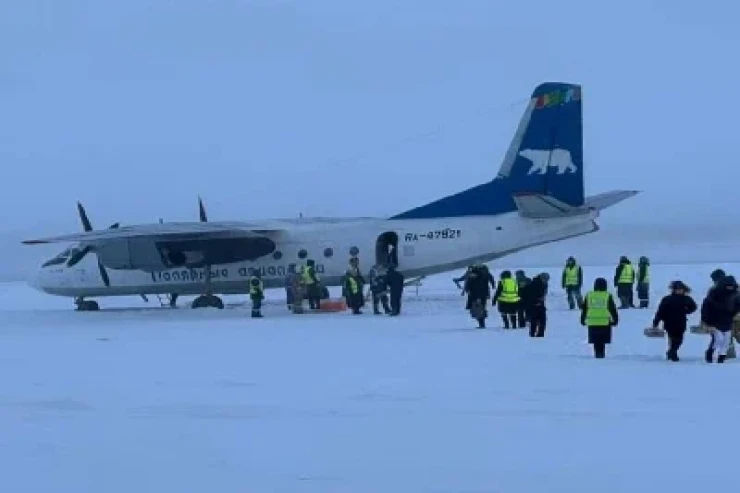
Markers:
{"x": 137, "y": 399}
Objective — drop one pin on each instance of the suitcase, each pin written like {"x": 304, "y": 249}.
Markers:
{"x": 700, "y": 329}
{"x": 332, "y": 305}
{"x": 654, "y": 332}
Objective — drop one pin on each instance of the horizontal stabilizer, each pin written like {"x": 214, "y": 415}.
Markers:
{"x": 538, "y": 206}
{"x": 608, "y": 199}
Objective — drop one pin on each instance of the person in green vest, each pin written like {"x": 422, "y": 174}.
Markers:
{"x": 353, "y": 291}
{"x": 599, "y": 314}
{"x": 507, "y": 297}
{"x": 572, "y": 283}
{"x": 624, "y": 280}
{"x": 310, "y": 281}
{"x": 643, "y": 282}
{"x": 256, "y": 294}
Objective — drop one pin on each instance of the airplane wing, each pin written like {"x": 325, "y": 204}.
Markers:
{"x": 166, "y": 231}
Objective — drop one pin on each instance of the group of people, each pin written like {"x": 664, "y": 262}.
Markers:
{"x": 718, "y": 311}
{"x": 522, "y": 301}
{"x": 626, "y": 279}
{"x": 386, "y": 289}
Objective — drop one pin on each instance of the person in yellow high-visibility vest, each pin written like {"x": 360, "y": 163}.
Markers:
{"x": 599, "y": 314}
{"x": 507, "y": 297}
{"x": 310, "y": 281}
{"x": 624, "y": 281}
{"x": 256, "y": 294}
{"x": 353, "y": 291}
{"x": 572, "y": 283}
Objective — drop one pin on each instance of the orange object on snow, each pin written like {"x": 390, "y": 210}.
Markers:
{"x": 332, "y": 306}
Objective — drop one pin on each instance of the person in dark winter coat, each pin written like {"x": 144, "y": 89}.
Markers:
{"x": 487, "y": 274}
{"x": 718, "y": 310}
{"x": 599, "y": 314}
{"x": 533, "y": 300}
{"x": 478, "y": 291}
{"x": 521, "y": 312}
{"x": 378, "y": 289}
{"x": 462, "y": 278}
{"x": 672, "y": 311}
{"x": 643, "y": 282}
{"x": 290, "y": 282}
{"x": 394, "y": 281}
{"x": 624, "y": 280}
{"x": 717, "y": 275}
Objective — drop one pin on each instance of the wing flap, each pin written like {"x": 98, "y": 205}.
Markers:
{"x": 185, "y": 230}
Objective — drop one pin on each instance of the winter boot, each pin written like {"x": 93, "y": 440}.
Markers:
{"x": 708, "y": 355}
{"x": 721, "y": 358}
{"x": 481, "y": 323}
{"x": 505, "y": 318}
{"x": 599, "y": 351}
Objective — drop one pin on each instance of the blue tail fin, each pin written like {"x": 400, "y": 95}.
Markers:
{"x": 545, "y": 157}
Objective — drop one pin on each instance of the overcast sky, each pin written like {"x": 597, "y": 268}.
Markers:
{"x": 271, "y": 108}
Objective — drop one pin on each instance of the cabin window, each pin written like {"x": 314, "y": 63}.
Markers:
{"x": 328, "y": 252}
{"x": 302, "y": 254}
{"x": 277, "y": 255}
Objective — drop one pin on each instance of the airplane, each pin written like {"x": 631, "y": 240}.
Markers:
{"x": 537, "y": 197}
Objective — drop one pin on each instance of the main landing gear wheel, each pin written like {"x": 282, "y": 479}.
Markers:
{"x": 87, "y": 305}
{"x": 208, "y": 301}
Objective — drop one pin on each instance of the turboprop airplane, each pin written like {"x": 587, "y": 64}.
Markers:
{"x": 537, "y": 197}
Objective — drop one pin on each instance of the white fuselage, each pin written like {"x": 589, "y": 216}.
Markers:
{"x": 425, "y": 247}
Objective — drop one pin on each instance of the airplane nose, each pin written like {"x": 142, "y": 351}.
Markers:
{"x": 36, "y": 280}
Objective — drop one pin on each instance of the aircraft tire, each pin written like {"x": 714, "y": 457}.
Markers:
{"x": 208, "y": 301}
{"x": 88, "y": 306}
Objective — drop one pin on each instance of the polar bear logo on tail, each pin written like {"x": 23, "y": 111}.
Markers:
{"x": 542, "y": 159}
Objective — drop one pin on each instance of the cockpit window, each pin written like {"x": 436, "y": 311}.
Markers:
{"x": 59, "y": 259}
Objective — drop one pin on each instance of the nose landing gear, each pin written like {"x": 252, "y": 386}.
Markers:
{"x": 84, "y": 305}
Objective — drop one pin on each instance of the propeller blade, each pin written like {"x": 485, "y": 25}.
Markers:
{"x": 78, "y": 255}
{"x": 86, "y": 225}
{"x": 103, "y": 274}
{"x": 202, "y": 211}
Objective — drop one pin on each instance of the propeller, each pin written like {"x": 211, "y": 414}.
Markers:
{"x": 202, "y": 211}
{"x": 75, "y": 258}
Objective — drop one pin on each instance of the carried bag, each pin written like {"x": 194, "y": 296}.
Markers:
{"x": 478, "y": 310}
{"x": 654, "y": 332}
